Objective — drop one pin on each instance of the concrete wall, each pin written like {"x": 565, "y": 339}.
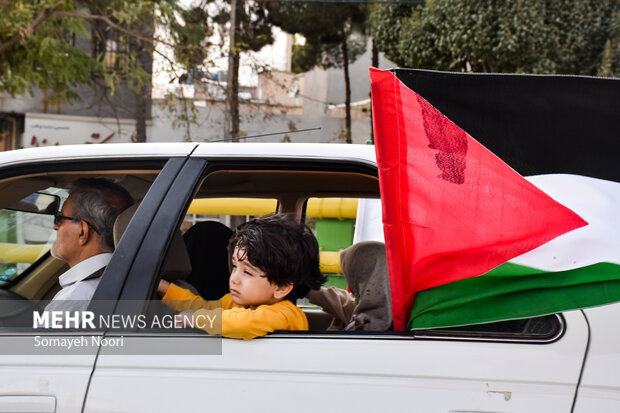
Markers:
{"x": 256, "y": 119}
{"x": 93, "y": 103}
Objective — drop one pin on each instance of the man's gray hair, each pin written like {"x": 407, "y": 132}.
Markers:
{"x": 99, "y": 202}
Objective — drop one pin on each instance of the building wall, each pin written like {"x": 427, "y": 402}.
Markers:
{"x": 99, "y": 114}
{"x": 256, "y": 119}
{"x": 94, "y": 102}
{"x": 43, "y": 129}
{"x": 283, "y": 88}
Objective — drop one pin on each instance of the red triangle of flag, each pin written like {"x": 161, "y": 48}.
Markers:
{"x": 451, "y": 208}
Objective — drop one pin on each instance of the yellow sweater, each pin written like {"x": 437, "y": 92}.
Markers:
{"x": 237, "y": 321}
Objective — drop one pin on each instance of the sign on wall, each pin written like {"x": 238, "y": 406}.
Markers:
{"x": 49, "y": 130}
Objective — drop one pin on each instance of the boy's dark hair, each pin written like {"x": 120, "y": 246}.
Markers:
{"x": 284, "y": 249}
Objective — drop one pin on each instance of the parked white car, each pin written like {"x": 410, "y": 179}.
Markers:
{"x": 568, "y": 362}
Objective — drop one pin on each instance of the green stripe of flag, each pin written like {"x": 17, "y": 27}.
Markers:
{"x": 513, "y": 291}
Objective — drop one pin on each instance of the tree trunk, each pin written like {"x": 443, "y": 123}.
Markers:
{"x": 144, "y": 53}
{"x": 141, "y": 97}
{"x": 347, "y": 91}
{"x": 234, "y": 107}
{"x": 375, "y": 63}
{"x": 232, "y": 80}
{"x": 141, "y": 115}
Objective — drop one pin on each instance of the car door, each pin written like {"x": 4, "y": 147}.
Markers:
{"x": 314, "y": 371}
{"x": 307, "y": 372}
{"x": 599, "y": 389}
{"x": 35, "y": 376}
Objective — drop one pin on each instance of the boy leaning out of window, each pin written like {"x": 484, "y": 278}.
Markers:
{"x": 275, "y": 260}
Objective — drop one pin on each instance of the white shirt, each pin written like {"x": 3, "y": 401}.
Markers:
{"x": 75, "y": 293}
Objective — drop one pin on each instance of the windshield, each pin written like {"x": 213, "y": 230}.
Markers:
{"x": 24, "y": 238}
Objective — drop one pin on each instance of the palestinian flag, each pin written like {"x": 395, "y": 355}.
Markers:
{"x": 469, "y": 240}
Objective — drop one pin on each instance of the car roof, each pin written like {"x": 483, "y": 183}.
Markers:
{"x": 113, "y": 150}
{"x": 289, "y": 150}
{"x": 153, "y": 149}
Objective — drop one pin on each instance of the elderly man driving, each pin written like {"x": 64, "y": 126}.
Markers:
{"x": 84, "y": 240}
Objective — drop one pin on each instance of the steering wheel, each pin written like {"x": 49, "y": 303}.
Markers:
{"x": 15, "y": 310}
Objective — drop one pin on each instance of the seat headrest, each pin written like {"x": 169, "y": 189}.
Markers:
{"x": 207, "y": 245}
{"x": 364, "y": 265}
{"x": 177, "y": 265}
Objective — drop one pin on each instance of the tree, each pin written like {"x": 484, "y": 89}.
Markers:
{"x": 385, "y": 25}
{"x": 248, "y": 30}
{"x": 241, "y": 26}
{"x": 191, "y": 43}
{"x": 334, "y": 38}
{"x": 43, "y": 44}
{"x": 37, "y": 50}
{"x": 551, "y": 36}
{"x": 192, "y": 33}
{"x": 610, "y": 65}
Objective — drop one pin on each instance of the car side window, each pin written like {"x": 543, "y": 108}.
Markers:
{"x": 364, "y": 223}
{"x": 537, "y": 329}
{"x": 198, "y": 254}
{"x": 228, "y": 197}
{"x": 28, "y": 209}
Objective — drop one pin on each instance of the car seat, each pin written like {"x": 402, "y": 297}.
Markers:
{"x": 207, "y": 244}
{"x": 176, "y": 265}
{"x": 364, "y": 265}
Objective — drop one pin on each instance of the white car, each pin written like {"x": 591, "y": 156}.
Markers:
{"x": 568, "y": 362}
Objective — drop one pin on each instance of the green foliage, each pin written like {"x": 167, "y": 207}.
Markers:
{"x": 325, "y": 26}
{"x": 610, "y": 64}
{"x": 550, "y": 36}
{"x": 183, "y": 112}
{"x": 255, "y": 28}
{"x": 385, "y": 25}
{"x": 191, "y": 32}
{"x": 325, "y": 53}
{"x": 254, "y": 31}
{"x": 47, "y": 58}
{"x": 45, "y": 44}
{"x": 579, "y": 33}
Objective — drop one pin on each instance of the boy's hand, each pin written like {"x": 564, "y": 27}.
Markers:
{"x": 184, "y": 319}
{"x": 162, "y": 287}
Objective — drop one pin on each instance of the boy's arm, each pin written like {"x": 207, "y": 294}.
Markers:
{"x": 180, "y": 299}
{"x": 248, "y": 324}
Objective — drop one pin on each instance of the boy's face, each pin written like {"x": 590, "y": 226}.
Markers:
{"x": 249, "y": 285}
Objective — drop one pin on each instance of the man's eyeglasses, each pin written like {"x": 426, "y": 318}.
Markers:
{"x": 58, "y": 217}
